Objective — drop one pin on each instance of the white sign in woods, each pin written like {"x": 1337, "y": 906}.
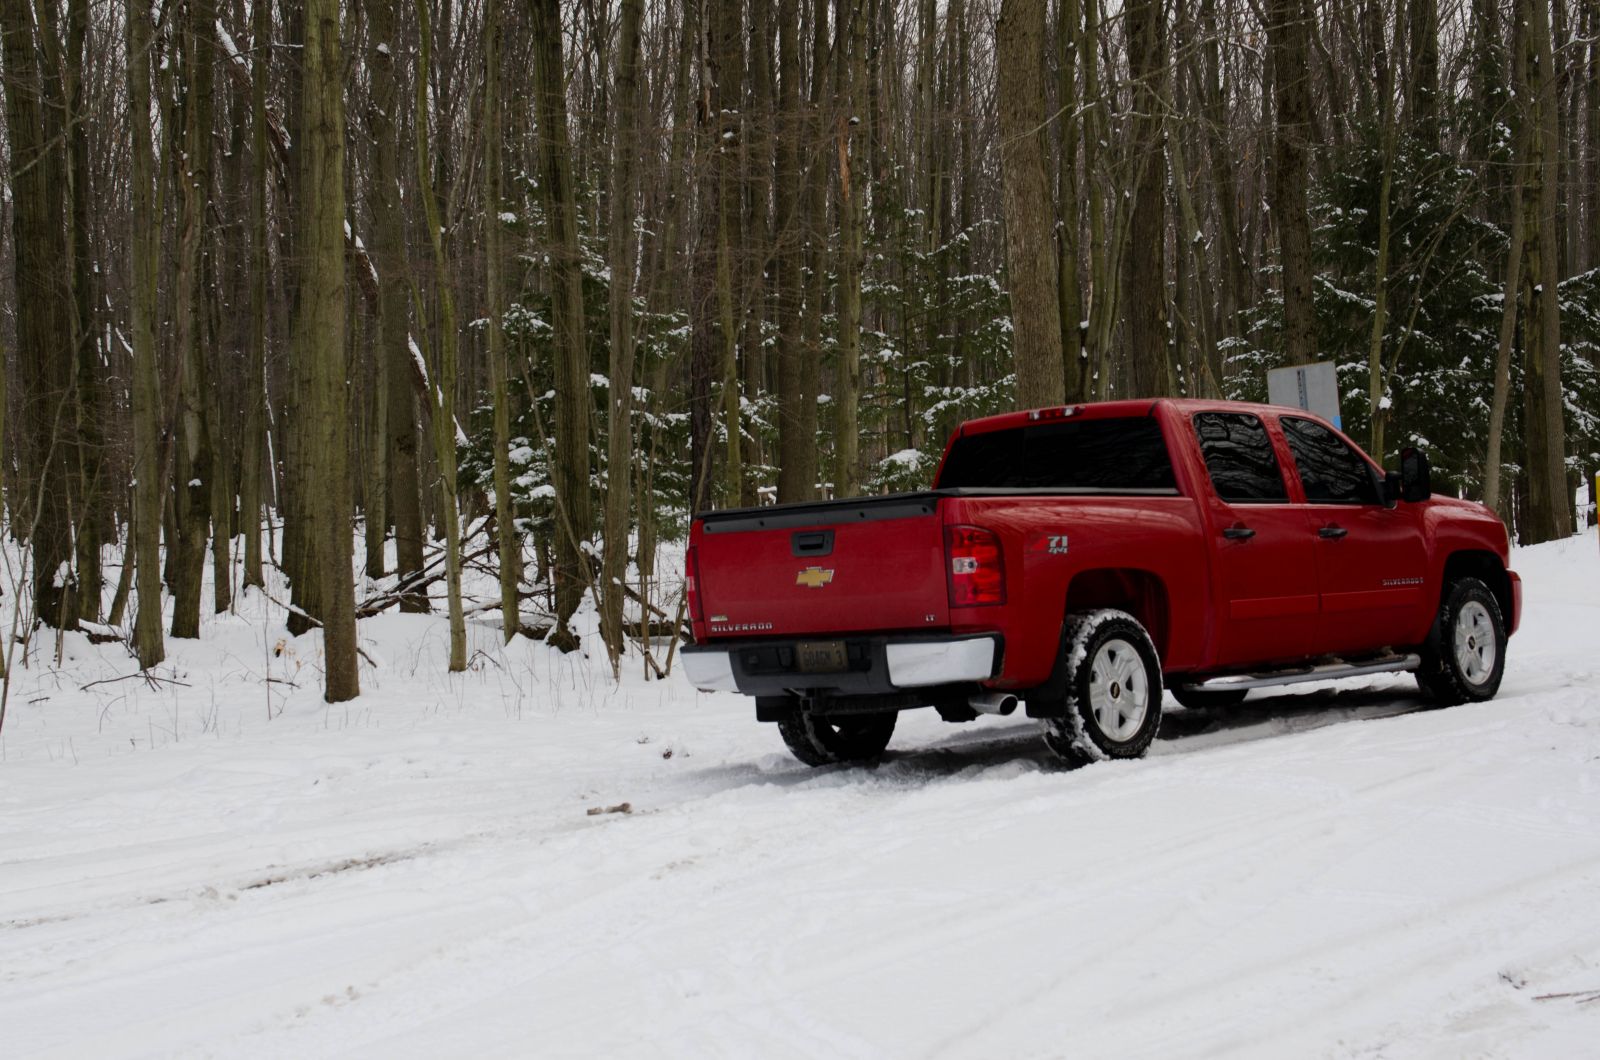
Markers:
{"x": 1313, "y": 387}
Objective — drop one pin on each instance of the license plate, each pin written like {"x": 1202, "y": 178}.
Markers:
{"x": 821, "y": 656}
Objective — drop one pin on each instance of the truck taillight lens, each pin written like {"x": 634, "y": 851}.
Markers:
{"x": 977, "y": 574}
{"x": 691, "y": 584}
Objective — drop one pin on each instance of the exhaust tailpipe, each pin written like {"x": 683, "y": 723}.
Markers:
{"x": 1001, "y": 703}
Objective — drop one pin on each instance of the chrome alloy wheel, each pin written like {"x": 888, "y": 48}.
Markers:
{"x": 1475, "y": 643}
{"x": 1119, "y": 691}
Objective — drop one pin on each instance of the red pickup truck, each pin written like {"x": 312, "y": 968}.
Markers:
{"x": 1083, "y": 558}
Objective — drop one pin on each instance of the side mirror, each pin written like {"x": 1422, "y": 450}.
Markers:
{"x": 1391, "y": 489}
{"x": 1416, "y": 483}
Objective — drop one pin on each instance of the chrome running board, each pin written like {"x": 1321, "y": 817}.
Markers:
{"x": 1326, "y": 672}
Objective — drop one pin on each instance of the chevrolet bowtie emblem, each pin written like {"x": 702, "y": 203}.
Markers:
{"x": 814, "y": 577}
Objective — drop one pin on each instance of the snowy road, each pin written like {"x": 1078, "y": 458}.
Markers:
{"x": 1316, "y": 874}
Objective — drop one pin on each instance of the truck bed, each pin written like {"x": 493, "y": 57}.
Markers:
{"x": 865, "y": 564}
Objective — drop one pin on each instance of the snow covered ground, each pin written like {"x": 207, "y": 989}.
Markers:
{"x": 228, "y": 866}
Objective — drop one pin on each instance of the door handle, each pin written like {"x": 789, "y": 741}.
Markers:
{"x": 811, "y": 543}
{"x": 1239, "y": 532}
{"x": 1332, "y": 532}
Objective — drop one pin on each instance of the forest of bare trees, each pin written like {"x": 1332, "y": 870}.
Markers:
{"x": 375, "y": 291}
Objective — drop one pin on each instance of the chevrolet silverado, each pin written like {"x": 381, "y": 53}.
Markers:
{"x": 1081, "y": 559}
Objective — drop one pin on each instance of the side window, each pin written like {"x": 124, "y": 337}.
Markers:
{"x": 1330, "y": 471}
{"x": 1239, "y": 457}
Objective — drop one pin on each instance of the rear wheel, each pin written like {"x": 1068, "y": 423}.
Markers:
{"x": 1208, "y": 699}
{"x": 819, "y": 740}
{"x": 1113, "y": 690}
{"x": 1465, "y": 656}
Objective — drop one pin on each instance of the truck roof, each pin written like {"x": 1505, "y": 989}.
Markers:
{"x": 1125, "y": 407}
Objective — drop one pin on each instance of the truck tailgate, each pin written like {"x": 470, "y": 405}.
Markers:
{"x": 831, "y": 567}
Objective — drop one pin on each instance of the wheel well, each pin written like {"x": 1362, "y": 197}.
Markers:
{"x": 1486, "y": 567}
{"x": 1138, "y": 592}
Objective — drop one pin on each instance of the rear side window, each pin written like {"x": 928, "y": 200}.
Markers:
{"x": 1239, "y": 456}
{"x": 1330, "y": 471}
{"x": 1111, "y": 455}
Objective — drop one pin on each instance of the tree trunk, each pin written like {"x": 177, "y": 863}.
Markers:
{"x": 1234, "y": 271}
{"x": 1377, "y": 388}
{"x": 1549, "y": 501}
{"x": 1102, "y": 283}
{"x": 91, "y": 409}
{"x": 287, "y": 437}
{"x": 1190, "y": 245}
{"x": 1422, "y": 119}
{"x": 220, "y": 502}
{"x": 572, "y": 501}
{"x": 815, "y": 220}
{"x": 1067, "y": 237}
{"x": 703, "y": 264}
{"x": 252, "y": 458}
{"x": 962, "y": 366}
{"x": 756, "y": 148}
{"x": 144, "y": 244}
{"x": 394, "y": 293}
{"x": 1149, "y": 371}
{"x": 192, "y": 458}
{"x": 1031, "y": 267}
{"x": 320, "y": 341}
{"x": 667, "y": 247}
{"x": 1288, "y": 35}
{"x": 1591, "y": 158}
{"x": 725, "y": 57}
{"x": 851, "y": 77}
{"x": 45, "y": 354}
{"x": 443, "y": 384}
{"x": 231, "y": 308}
{"x": 1511, "y": 289}
{"x": 374, "y": 445}
{"x": 792, "y": 441}
{"x": 619, "y": 440}
{"x": 510, "y": 544}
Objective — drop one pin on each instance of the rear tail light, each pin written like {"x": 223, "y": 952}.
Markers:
{"x": 976, "y": 572}
{"x": 691, "y": 584}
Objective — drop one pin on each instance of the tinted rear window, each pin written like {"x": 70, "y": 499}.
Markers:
{"x": 1114, "y": 455}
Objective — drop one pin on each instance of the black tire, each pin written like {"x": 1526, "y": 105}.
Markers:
{"x": 1455, "y": 672}
{"x": 1209, "y": 699}
{"x": 1126, "y": 721}
{"x": 819, "y": 740}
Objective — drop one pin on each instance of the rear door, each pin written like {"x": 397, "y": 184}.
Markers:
{"x": 845, "y": 567}
{"x": 1265, "y": 568}
{"x": 1371, "y": 559}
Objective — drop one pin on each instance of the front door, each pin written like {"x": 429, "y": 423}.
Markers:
{"x": 1371, "y": 560}
{"x": 1265, "y": 574}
